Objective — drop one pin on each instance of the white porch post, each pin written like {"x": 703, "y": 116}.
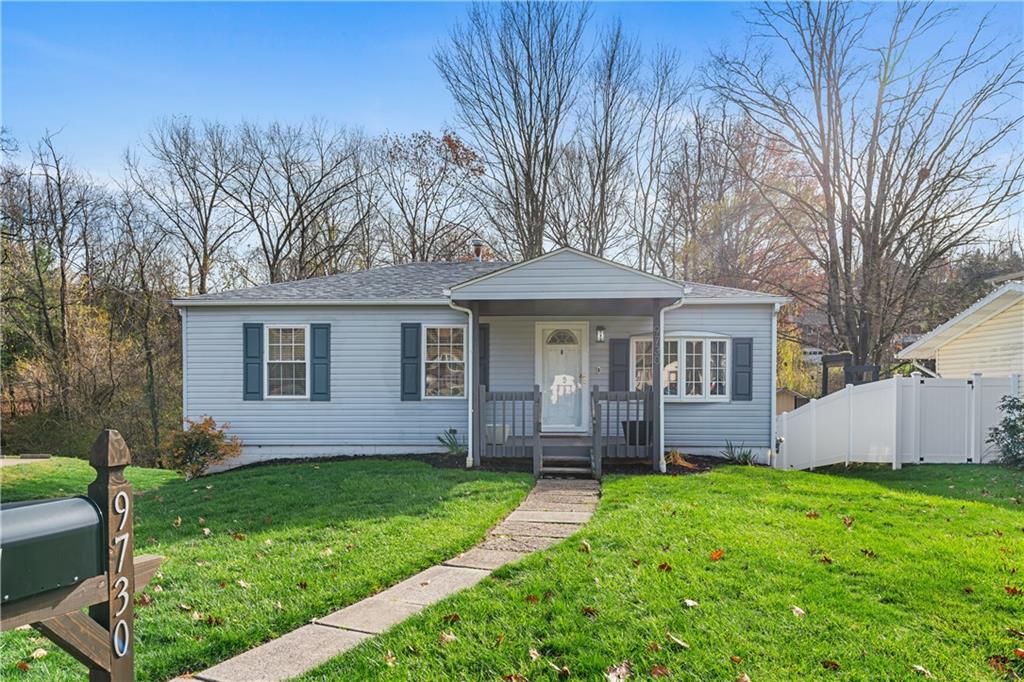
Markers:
{"x": 657, "y": 348}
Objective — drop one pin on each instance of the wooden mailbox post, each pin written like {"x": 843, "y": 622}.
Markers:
{"x": 104, "y": 640}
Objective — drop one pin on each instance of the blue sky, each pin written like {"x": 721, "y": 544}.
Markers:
{"x": 102, "y": 73}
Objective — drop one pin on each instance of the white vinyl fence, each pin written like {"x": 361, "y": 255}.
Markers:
{"x": 896, "y": 421}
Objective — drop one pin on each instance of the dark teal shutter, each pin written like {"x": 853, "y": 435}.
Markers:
{"x": 320, "y": 361}
{"x": 485, "y": 355}
{"x": 618, "y": 365}
{"x": 743, "y": 369}
{"x": 410, "y": 361}
{"x": 252, "y": 361}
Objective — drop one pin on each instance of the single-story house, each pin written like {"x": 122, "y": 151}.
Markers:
{"x": 986, "y": 338}
{"x": 567, "y": 351}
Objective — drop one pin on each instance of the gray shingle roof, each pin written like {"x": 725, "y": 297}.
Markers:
{"x": 410, "y": 282}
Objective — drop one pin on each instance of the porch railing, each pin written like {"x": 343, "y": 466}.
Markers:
{"x": 508, "y": 424}
{"x": 623, "y": 425}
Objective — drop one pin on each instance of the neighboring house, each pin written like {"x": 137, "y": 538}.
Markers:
{"x": 988, "y": 338}
{"x": 382, "y": 361}
{"x": 787, "y": 400}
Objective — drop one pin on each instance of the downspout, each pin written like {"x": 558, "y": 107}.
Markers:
{"x": 772, "y": 443}
{"x": 183, "y": 312}
{"x": 661, "y": 365}
{"x": 470, "y": 361}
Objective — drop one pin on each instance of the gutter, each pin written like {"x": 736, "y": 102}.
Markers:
{"x": 772, "y": 443}
{"x": 661, "y": 365}
{"x": 470, "y": 361}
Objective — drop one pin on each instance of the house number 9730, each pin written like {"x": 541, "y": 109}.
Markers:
{"x": 121, "y": 632}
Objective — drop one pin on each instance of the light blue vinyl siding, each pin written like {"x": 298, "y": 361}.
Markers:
{"x": 565, "y": 275}
{"x": 365, "y": 408}
{"x": 687, "y": 424}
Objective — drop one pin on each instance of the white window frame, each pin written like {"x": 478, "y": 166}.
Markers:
{"x": 423, "y": 361}
{"x": 267, "y": 361}
{"x": 681, "y": 338}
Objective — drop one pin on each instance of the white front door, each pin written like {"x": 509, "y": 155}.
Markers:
{"x": 562, "y": 352}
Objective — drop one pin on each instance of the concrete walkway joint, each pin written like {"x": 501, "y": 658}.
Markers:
{"x": 554, "y": 509}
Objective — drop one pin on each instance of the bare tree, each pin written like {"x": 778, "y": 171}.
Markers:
{"x": 185, "y": 182}
{"x": 514, "y": 72}
{"x": 910, "y": 161}
{"x": 432, "y": 208}
{"x": 287, "y": 185}
{"x": 589, "y": 187}
{"x": 654, "y": 144}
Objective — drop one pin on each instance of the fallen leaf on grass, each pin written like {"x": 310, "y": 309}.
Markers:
{"x": 829, "y": 665}
{"x": 653, "y": 647}
{"x": 184, "y": 607}
{"x": 678, "y": 642}
{"x": 390, "y": 659}
{"x": 664, "y": 567}
{"x": 206, "y": 532}
{"x": 452, "y": 618}
{"x": 589, "y": 612}
{"x": 848, "y": 522}
{"x": 202, "y": 521}
{"x": 998, "y": 663}
{"x": 968, "y": 590}
{"x": 515, "y": 677}
{"x": 327, "y": 551}
{"x": 743, "y": 678}
{"x": 636, "y": 562}
{"x": 214, "y": 621}
{"x": 799, "y": 612}
{"x": 1018, "y": 652}
{"x": 532, "y": 599}
{"x": 499, "y": 639}
{"x": 690, "y": 604}
{"x": 585, "y": 547}
{"x": 825, "y": 559}
{"x": 735, "y": 659}
{"x": 39, "y": 653}
{"x": 717, "y": 554}
{"x": 1012, "y": 591}
{"x": 143, "y": 600}
{"x": 244, "y": 585}
{"x": 534, "y": 655}
{"x": 868, "y": 553}
{"x": 921, "y": 670}
{"x": 157, "y": 588}
{"x": 812, "y": 515}
{"x": 196, "y": 615}
{"x": 446, "y": 637}
{"x": 238, "y": 536}
{"x": 617, "y": 673}
{"x": 177, "y": 522}
{"x": 279, "y": 606}
{"x": 658, "y": 670}
{"x": 302, "y": 585}
{"x": 1015, "y": 632}
{"x": 563, "y": 670}
{"x": 23, "y": 666}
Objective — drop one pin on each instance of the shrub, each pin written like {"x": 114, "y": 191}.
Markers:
{"x": 737, "y": 454}
{"x": 450, "y": 439}
{"x": 1008, "y": 435}
{"x": 199, "y": 446}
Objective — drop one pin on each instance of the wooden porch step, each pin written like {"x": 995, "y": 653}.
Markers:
{"x": 556, "y": 457}
{"x": 566, "y": 471}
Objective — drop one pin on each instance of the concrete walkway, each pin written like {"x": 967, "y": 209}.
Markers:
{"x": 553, "y": 510}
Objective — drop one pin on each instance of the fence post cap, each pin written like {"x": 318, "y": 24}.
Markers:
{"x": 110, "y": 451}
{"x": 915, "y": 374}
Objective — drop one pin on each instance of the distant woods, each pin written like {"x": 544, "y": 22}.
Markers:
{"x": 826, "y": 160}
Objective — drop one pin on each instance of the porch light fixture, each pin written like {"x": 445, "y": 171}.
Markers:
{"x": 600, "y": 334}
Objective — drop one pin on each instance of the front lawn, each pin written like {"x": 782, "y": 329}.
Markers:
{"x": 286, "y": 544}
{"x": 889, "y": 570}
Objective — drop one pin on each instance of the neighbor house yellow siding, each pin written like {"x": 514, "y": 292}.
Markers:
{"x": 995, "y": 347}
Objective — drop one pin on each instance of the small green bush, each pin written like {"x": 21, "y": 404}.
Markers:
{"x": 202, "y": 444}
{"x": 450, "y": 440}
{"x": 737, "y": 454}
{"x": 1008, "y": 435}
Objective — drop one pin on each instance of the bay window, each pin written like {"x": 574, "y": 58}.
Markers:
{"x": 695, "y": 368}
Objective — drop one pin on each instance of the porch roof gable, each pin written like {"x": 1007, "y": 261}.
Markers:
{"x": 566, "y": 274}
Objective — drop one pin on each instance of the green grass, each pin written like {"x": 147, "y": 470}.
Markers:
{"x": 305, "y": 539}
{"x": 918, "y": 579}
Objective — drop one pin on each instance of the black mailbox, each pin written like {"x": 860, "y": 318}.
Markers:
{"x": 47, "y": 544}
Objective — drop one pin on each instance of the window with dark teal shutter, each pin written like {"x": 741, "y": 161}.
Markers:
{"x": 320, "y": 361}
{"x": 618, "y": 365}
{"x": 743, "y": 369}
{"x": 252, "y": 361}
{"x": 410, "y": 361}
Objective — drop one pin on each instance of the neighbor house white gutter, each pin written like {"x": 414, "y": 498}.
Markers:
{"x": 772, "y": 444}
{"x": 661, "y": 366}
{"x": 470, "y": 361}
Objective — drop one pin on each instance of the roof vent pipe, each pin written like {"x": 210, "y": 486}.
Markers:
{"x": 478, "y": 249}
